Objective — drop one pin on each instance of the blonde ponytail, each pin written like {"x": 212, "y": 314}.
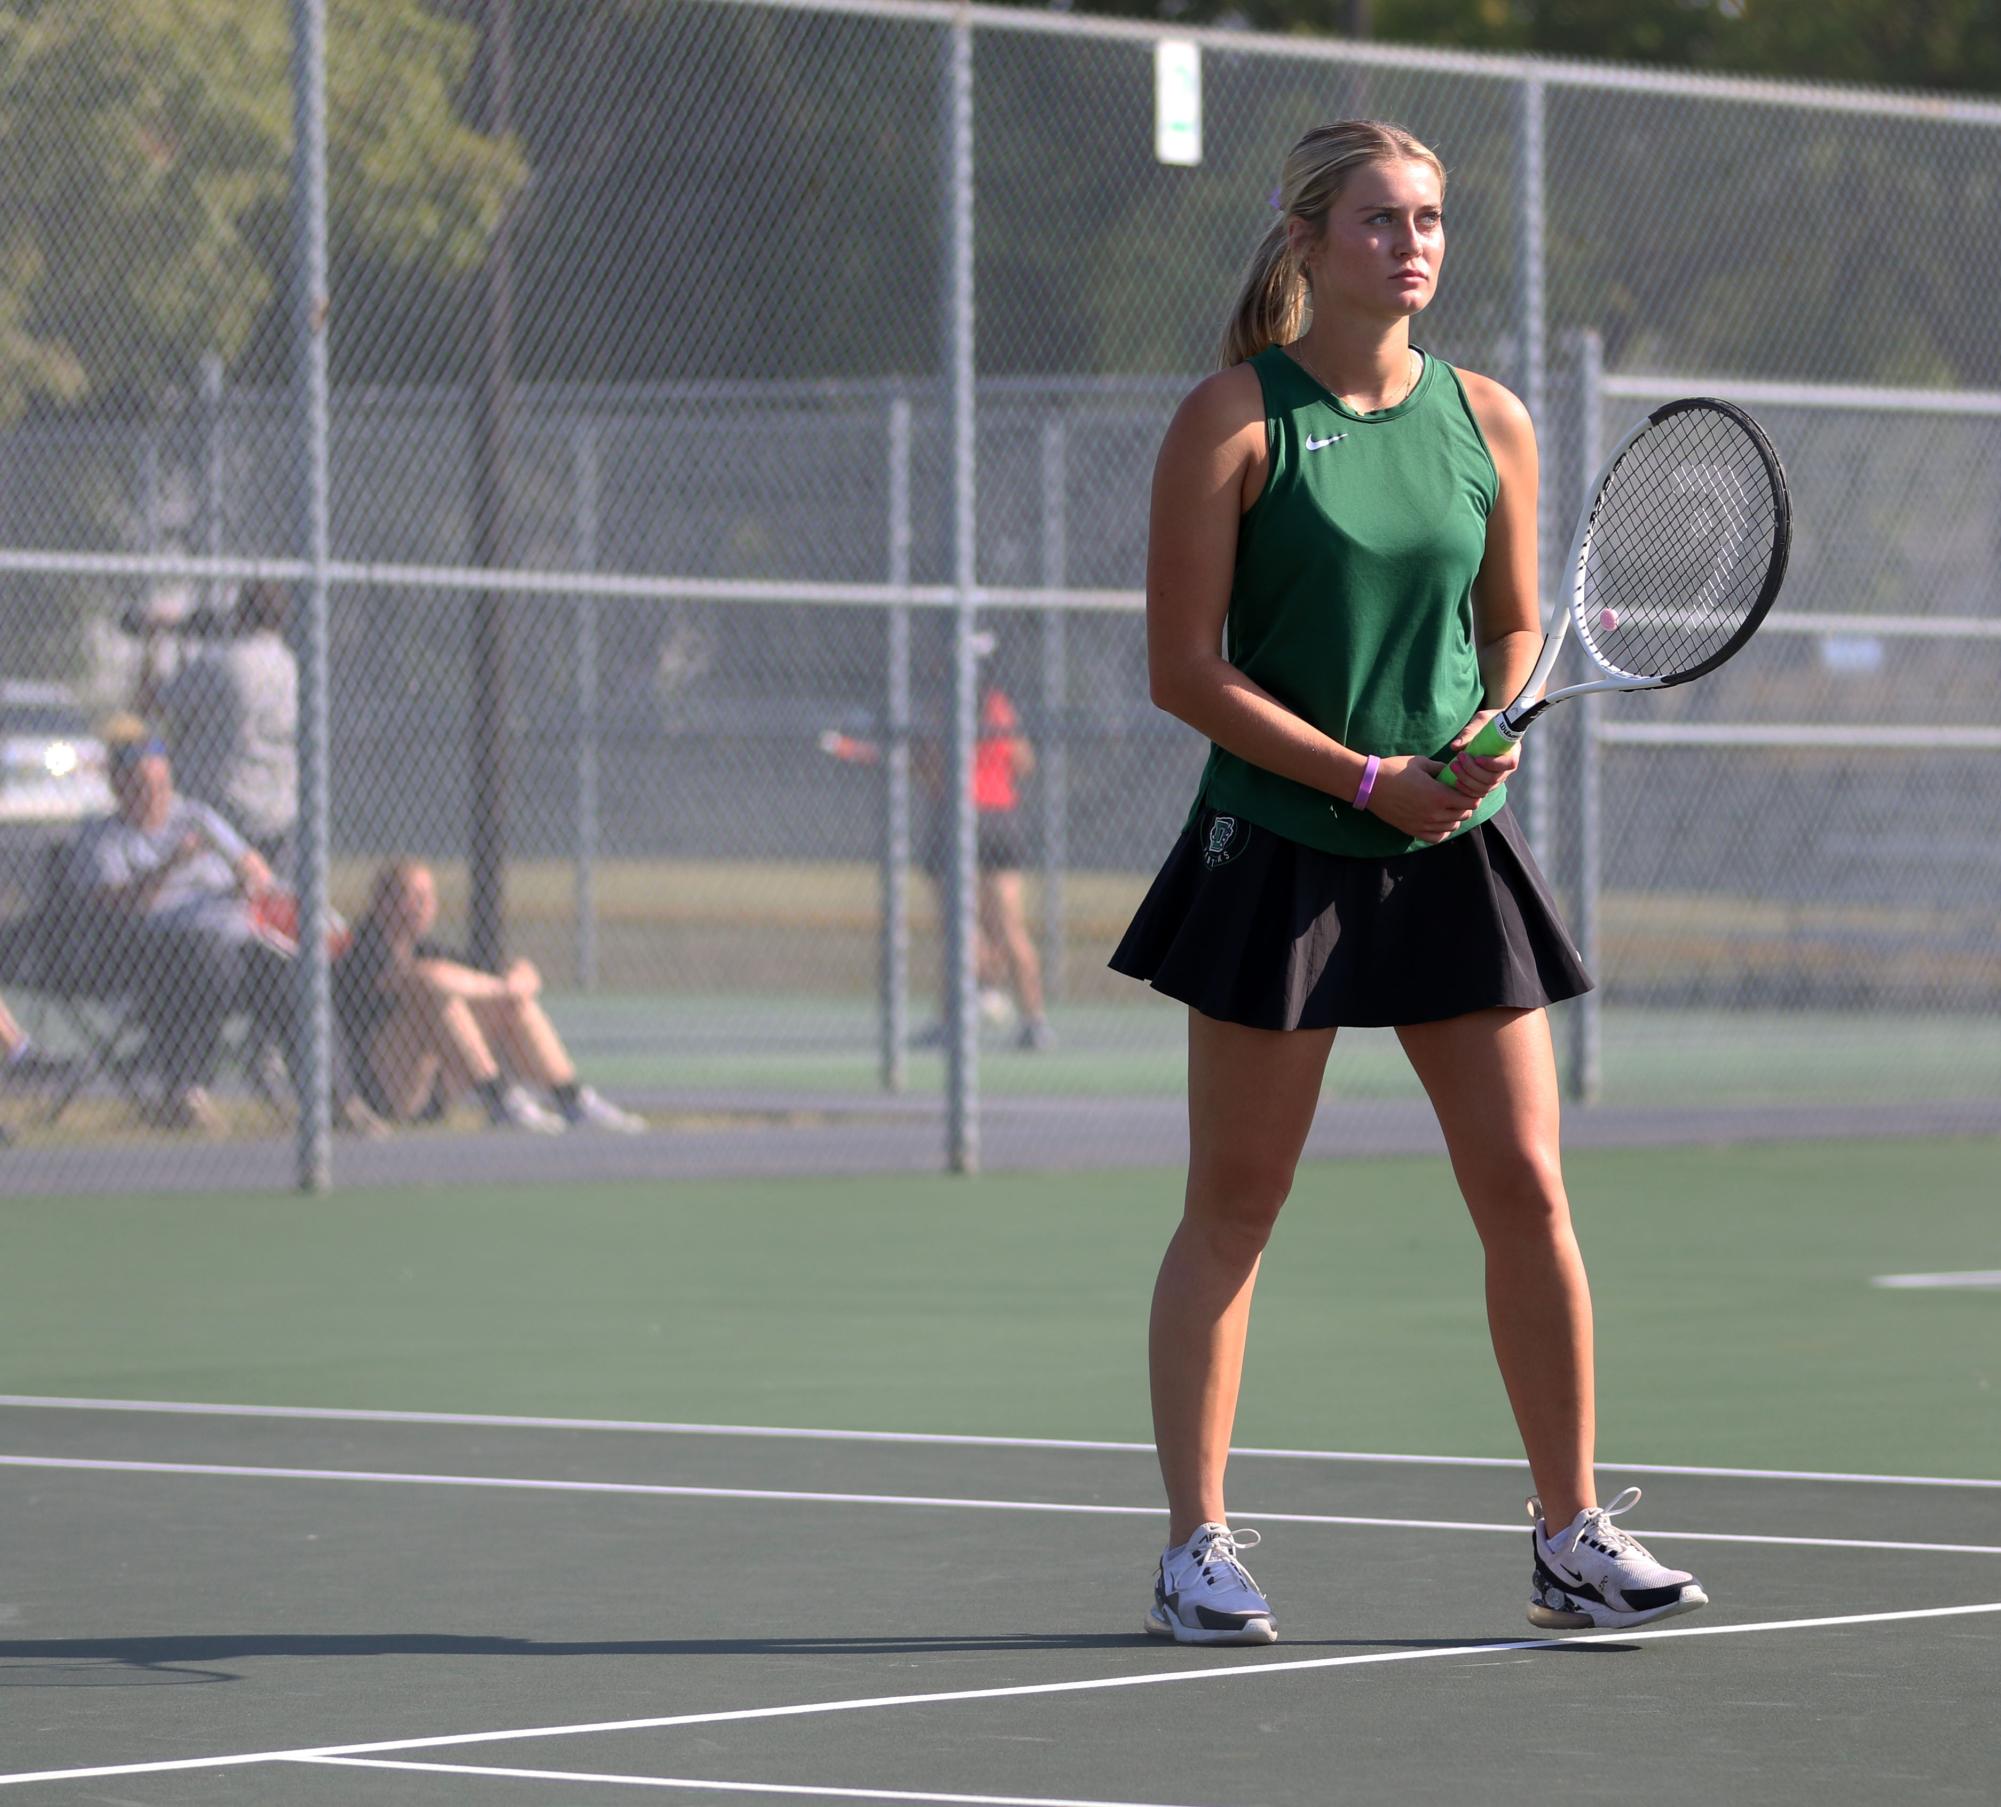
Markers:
{"x": 1271, "y": 306}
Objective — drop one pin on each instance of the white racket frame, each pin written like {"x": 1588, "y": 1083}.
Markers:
{"x": 1566, "y": 607}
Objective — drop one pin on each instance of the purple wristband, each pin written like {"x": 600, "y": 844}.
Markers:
{"x": 1362, "y": 790}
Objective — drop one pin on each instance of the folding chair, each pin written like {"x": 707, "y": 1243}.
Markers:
{"x": 63, "y": 950}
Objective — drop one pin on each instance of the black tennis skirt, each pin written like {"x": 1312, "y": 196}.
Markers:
{"x": 1248, "y": 927}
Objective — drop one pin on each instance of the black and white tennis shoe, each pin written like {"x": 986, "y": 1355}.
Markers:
{"x": 1591, "y": 1573}
{"x": 1203, "y": 1594}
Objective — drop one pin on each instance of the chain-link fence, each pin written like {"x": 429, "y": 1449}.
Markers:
{"x": 737, "y": 435}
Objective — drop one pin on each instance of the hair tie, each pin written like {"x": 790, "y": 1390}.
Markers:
{"x": 1277, "y": 204}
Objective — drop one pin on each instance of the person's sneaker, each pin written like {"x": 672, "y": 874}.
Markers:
{"x": 1036, "y": 1036}
{"x": 1202, "y": 1593}
{"x": 190, "y": 1111}
{"x": 29, "y": 1068}
{"x": 996, "y": 1007}
{"x": 265, "y": 1069}
{"x": 514, "y": 1109}
{"x": 1592, "y": 1573}
{"x": 355, "y": 1116}
{"x": 588, "y": 1108}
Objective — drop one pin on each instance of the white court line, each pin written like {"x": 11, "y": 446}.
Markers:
{"x": 591, "y": 1775}
{"x": 967, "y": 1440}
{"x": 671, "y": 1491}
{"x": 1231, "y": 1671}
{"x": 1979, "y": 1279}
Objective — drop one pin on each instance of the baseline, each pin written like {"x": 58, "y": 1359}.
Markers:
{"x": 1974, "y": 1280}
{"x": 670, "y": 1428}
{"x": 230, "y": 1470}
{"x": 1097, "y": 1684}
{"x": 792, "y": 1788}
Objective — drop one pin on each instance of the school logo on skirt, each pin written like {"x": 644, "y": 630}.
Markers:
{"x": 1227, "y": 838}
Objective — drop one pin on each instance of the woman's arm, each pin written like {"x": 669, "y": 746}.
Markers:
{"x": 1507, "y": 623}
{"x": 449, "y": 978}
{"x": 1210, "y": 468}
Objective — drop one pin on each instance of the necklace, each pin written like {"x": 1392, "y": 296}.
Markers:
{"x": 1413, "y": 369}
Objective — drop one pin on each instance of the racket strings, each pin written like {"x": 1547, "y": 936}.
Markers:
{"x": 1682, "y": 543}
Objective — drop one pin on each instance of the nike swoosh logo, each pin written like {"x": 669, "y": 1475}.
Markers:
{"x": 1320, "y": 445}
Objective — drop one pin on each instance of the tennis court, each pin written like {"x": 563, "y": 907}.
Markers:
{"x": 838, "y": 1489}
{"x": 639, "y": 404}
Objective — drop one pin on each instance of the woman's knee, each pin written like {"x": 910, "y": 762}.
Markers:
{"x": 1517, "y": 1194}
{"x": 1232, "y": 1239}
{"x": 1233, "y": 1214}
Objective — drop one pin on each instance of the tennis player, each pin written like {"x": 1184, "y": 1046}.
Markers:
{"x": 1341, "y": 589}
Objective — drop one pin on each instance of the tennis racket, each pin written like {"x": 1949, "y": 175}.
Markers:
{"x": 1676, "y": 560}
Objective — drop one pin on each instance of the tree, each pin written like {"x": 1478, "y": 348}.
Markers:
{"x": 1948, "y": 44}
{"x": 144, "y": 172}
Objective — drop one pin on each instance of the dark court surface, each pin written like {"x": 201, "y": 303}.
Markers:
{"x": 148, "y": 1616}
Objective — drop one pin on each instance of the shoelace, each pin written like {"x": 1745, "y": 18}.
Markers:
{"x": 1219, "y": 1550}
{"x": 1599, "y": 1529}
{"x": 1607, "y": 1535}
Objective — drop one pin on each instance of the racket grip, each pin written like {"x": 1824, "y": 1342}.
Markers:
{"x": 1492, "y": 739}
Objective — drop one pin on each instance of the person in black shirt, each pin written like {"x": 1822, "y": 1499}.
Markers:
{"x": 423, "y": 1025}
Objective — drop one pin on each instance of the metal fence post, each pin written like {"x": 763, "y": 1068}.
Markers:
{"x": 491, "y": 92}
{"x": 893, "y": 978}
{"x": 962, "y": 1017}
{"x": 584, "y": 455}
{"x": 152, "y": 523}
{"x": 1588, "y": 1029}
{"x": 214, "y": 469}
{"x": 310, "y": 529}
{"x": 1530, "y": 278}
{"x": 585, "y": 452}
{"x": 1054, "y": 754}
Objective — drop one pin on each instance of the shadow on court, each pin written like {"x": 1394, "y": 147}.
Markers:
{"x": 172, "y": 1652}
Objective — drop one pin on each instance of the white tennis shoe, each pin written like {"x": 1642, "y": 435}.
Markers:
{"x": 1202, "y": 1593}
{"x": 1592, "y": 1573}
{"x": 588, "y": 1108}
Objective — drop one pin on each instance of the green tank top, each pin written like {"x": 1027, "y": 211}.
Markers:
{"x": 1352, "y": 600}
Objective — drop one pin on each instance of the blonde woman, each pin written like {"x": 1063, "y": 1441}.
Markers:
{"x": 1341, "y": 589}
{"x": 423, "y": 1027}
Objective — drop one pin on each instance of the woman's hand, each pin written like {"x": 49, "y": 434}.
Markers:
{"x": 1409, "y": 796}
{"x": 1476, "y": 777}
{"x": 522, "y": 980}
{"x": 253, "y": 876}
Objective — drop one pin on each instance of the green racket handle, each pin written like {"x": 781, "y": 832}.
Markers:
{"x": 1491, "y": 739}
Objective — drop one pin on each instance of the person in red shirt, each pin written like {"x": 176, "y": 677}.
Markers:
{"x": 1003, "y": 948}
{"x": 1002, "y": 758}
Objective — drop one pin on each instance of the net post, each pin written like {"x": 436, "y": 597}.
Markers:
{"x": 314, "y": 1151}
{"x": 1587, "y": 1028}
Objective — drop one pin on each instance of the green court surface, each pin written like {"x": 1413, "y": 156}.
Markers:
{"x": 693, "y": 1593}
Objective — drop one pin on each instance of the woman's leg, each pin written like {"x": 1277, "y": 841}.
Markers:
{"x": 526, "y": 1041}
{"x": 1251, "y": 1097}
{"x": 1491, "y": 1077}
{"x": 1004, "y": 919}
{"x": 435, "y": 1022}
{"x": 404, "y": 1062}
